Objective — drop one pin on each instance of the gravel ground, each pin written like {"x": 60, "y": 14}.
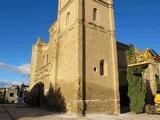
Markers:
{"x": 23, "y": 112}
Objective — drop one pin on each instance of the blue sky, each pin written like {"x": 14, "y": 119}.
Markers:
{"x": 23, "y": 21}
{"x": 137, "y": 22}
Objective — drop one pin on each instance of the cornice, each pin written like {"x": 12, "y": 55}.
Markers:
{"x": 102, "y": 2}
{"x": 65, "y": 6}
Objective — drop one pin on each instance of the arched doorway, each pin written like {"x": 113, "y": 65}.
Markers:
{"x": 37, "y": 95}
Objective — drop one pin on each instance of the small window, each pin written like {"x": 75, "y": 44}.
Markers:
{"x": 102, "y": 67}
{"x": 95, "y": 14}
{"x": 67, "y": 18}
{"x": 11, "y": 94}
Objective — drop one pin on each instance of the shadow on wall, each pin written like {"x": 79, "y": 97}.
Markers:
{"x": 123, "y": 89}
{"x": 149, "y": 96}
{"x": 53, "y": 101}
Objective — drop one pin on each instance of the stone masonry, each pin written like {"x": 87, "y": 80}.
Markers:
{"x": 80, "y": 58}
{"x": 83, "y": 60}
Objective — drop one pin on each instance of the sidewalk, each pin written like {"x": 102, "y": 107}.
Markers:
{"x": 3, "y": 114}
{"x": 24, "y": 112}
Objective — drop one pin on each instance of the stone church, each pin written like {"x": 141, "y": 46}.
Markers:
{"x": 82, "y": 58}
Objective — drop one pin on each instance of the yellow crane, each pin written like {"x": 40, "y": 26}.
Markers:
{"x": 143, "y": 58}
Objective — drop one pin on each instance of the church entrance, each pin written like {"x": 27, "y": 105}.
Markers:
{"x": 37, "y": 95}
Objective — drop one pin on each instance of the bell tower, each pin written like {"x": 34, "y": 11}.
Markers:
{"x": 99, "y": 57}
{"x": 80, "y": 59}
{"x": 87, "y": 70}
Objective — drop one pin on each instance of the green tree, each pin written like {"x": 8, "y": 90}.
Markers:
{"x": 54, "y": 100}
{"x": 158, "y": 84}
{"x": 137, "y": 87}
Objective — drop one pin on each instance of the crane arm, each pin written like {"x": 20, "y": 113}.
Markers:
{"x": 155, "y": 56}
{"x": 144, "y": 59}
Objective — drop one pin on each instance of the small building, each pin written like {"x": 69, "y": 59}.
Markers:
{"x": 14, "y": 94}
{"x": 11, "y": 95}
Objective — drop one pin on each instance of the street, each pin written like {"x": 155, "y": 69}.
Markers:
{"x": 24, "y": 112}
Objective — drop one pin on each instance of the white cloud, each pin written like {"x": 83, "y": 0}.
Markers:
{"x": 24, "y": 69}
{"x": 7, "y": 83}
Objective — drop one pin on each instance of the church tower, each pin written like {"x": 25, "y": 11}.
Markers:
{"x": 80, "y": 58}
{"x": 87, "y": 56}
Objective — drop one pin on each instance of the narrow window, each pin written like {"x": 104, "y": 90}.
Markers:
{"x": 67, "y": 18}
{"x": 95, "y": 14}
{"x": 102, "y": 67}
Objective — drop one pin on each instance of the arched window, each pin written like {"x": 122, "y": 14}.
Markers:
{"x": 67, "y": 18}
{"x": 102, "y": 67}
{"x": 95, "y": 14}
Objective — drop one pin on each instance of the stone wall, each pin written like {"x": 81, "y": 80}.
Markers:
{"x": 82, "y": 58}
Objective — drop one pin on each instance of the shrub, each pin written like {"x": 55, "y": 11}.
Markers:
{"x": 137, "y": 87}
{"x": 158, "y": 84}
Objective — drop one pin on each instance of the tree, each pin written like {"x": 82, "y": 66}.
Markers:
{"x": 54, "y": 100}
{"x": 158, "y": 84}
{"x": 137, "y": 87}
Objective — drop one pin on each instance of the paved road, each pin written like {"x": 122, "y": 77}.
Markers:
{"x": 24, "y": 112}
